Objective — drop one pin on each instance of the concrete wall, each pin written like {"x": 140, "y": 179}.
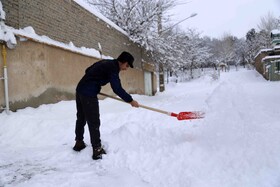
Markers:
{"x": 40, "y": 74}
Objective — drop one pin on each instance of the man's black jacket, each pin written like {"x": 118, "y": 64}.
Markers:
{"x": 99, "y": 74}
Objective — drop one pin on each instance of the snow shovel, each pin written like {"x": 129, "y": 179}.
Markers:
{"x": 181, "y": 116}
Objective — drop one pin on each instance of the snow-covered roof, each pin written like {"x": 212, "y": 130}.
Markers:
{"x": 263, "y": 51}
{"x": 29, "y": 33}
{"x": 275, "y": 31}
{"x": 277, "y": 47}
{"x": 8, "y": 34}
{"x": 222, "y": 64}
{"x": 274, "y": 57}
{"x": 95, "y": 12}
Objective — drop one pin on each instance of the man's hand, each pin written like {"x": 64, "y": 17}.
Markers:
{"x": 134, "y": 103}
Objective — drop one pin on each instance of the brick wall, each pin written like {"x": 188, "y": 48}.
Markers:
{"x": 67, "y": 21}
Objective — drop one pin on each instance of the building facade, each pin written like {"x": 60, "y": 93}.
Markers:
{"x": 41, "y": 73}
{"x": 267, "y": 62}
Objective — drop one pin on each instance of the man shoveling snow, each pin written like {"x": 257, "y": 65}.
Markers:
{"x": 96, "y": 76}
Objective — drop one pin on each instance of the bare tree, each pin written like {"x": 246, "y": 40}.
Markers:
{"x": 268, "y": 23}
{"x": 227, "y": 52}
{"x": 195, "y": 53}
{"x": 139, "y": 18}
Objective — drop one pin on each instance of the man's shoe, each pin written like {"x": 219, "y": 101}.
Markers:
{"x": 97, "y": 153}
{"x": 80, "y": 145}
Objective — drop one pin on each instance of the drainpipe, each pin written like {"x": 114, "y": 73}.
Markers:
{"x": 5, "y": 78}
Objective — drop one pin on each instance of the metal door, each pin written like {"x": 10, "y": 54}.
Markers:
{"x": 148, "y": 83}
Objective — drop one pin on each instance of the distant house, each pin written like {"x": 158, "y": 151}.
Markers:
{"x": 267, "y": 62}
{"x": 275, "y": 36}
{"x": 223, "y": 66}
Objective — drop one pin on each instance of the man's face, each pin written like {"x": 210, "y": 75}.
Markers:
{"x": 124, "y": 66}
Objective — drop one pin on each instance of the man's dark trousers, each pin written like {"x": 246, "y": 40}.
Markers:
{"x": 88, "y": 112}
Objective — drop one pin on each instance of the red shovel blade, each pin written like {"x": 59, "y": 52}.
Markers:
{"x": 189, "y": 115}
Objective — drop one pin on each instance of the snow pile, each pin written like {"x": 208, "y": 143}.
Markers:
{"x": 2, "y": 12}
{"x": 6, "y": 34}
{"x": 236, "y": 144}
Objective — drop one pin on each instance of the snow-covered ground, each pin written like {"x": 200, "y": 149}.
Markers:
{"x": 237, "y": 144}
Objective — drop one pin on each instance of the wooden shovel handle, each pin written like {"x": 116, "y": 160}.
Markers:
{"x": 142, "y": 106}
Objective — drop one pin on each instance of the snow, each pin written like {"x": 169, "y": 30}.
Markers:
{"x": 275, "y": 31}
{"x": 277, "y": 47}
{"x": 2, "y": 13}
{"x": 29, "y": 32}
{"x": 8, "y": 34}
{"x": 236, "y": 144}
{"x": 271, "y": 57}
{"x": 263, "y": 51}
{"x": 5, "y": 33}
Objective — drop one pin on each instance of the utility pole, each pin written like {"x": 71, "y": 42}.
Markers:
{"x": 160, "y": 32}
{"x": 161, "y": 68}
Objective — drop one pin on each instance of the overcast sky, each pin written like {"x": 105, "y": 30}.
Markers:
{"x": 216, "y": 17}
